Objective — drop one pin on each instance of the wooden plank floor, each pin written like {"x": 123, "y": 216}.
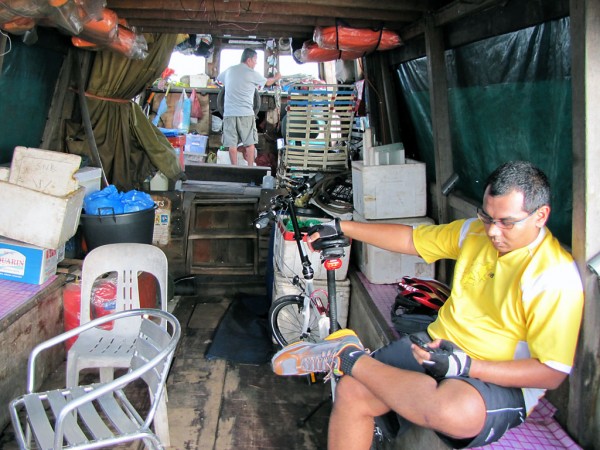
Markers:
{"x": 219, "y": 405}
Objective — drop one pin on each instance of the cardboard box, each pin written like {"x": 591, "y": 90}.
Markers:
{"x": 162, "y": 220}
{"x": 26, "y": 263}
{"x": 389, "y": 192}
{"x": 287, "y": 258}
{"x": 384, "y": 267}
{"x": 36, "y": 218}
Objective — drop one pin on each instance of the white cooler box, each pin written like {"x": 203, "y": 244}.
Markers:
{"x": 283, "y": 286}
{"x": 287, "y": 258}
{"x": 384, "y": 267}
{"x": 37, "y": 218}
{"x": 389, "y": 192}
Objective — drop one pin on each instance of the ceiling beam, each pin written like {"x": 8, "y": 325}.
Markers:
{"x": 262, "y": 10}
{"x": 235, "y": 30}
{"x": 179, "y": 20}
{"x": 418, "y": 6}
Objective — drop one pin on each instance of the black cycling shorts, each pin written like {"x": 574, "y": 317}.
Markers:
{"x": 505, "y": 406}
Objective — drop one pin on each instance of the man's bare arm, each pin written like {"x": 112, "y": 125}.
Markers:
{"x": 393, "y": 237}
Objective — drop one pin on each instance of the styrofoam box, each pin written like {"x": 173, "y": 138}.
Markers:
{"x": 199, "y": 80}
{"x": 89, "y": 178}
{"x": 283, "y": 286}
{"x": 389, "y": 192}
{"x": 47, "y": 171}
{"x": 384, "y": 267}
{"x": 26, "y": 263}
{"x": 36, "y": 218}
{"x": 287, "y": 258}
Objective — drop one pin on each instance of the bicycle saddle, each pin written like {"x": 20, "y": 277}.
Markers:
{"x": 329, "y": 243}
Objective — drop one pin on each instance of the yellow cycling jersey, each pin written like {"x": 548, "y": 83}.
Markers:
{"x": 526, "y": 303}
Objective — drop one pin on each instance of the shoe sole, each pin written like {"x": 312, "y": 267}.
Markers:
{"x": 289, "y": 366}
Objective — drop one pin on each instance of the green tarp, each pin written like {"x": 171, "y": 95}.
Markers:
{"x": 509, "y": 98}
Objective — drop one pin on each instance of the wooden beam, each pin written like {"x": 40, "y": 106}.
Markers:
{"x": 283, "y": 11}
{"x": 179, "y": 19}
{"x": 333, "y": 6}
{"x": 440, "y": 122}
{"x": 230, "y": 29}
{"x": 493, "y": 21}
{"x": 583, "y": 410}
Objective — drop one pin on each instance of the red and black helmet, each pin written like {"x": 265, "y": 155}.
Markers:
{"x": 420, "y": 293}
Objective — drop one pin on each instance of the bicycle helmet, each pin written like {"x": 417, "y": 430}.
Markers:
{"x": 418, "y": 295}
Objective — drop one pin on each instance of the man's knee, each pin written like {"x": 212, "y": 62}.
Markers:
{"x": 351, "y": 393}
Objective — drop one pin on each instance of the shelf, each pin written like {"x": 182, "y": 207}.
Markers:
{"x": 224, "y": 234}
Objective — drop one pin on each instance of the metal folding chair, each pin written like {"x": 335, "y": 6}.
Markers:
{"x": 101, "y": 414}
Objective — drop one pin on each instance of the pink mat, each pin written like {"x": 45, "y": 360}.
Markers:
{"x": 540, "y": 430}
{"x": 13, "y": 294}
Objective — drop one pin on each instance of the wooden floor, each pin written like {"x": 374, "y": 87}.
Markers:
{"x": 218, "y": 405}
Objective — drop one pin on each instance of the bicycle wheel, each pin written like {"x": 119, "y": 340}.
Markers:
{"x": 286, "y": 319}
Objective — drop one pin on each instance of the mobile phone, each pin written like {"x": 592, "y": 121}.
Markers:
{"x": 418, "y": 341}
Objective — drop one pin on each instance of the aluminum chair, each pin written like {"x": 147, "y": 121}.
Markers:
{"x": 109, "y": 349}
{"x": 100, "y": 415}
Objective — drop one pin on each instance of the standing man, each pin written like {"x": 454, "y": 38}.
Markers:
{"x": 507, "y": 332}
{"x": 239, "y": 122}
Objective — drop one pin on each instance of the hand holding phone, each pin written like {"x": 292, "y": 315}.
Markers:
{"x": 421, "y": 344}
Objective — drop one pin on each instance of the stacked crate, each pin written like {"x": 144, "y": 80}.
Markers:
{"x": 389, "y": 188}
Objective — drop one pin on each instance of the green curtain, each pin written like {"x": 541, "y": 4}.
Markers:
{"x": 130, "y": 147}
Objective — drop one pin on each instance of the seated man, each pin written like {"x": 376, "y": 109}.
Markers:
{"x": 507, "y": 333}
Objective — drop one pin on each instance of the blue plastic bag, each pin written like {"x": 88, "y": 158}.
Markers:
{"x": 182, "y": 114}
{"x": 136, "y": 201}
{"x": 110, "y": 201}
{"x": 104, "y": 202}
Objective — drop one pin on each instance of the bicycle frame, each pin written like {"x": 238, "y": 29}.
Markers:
{"x": 327, "y": 320}
{"x": 308, "y": 290}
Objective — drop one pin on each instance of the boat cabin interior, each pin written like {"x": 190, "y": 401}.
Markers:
{"x": 393, "y": 111}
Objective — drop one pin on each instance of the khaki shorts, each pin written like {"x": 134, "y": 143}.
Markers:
{"x": 239, "y": 130}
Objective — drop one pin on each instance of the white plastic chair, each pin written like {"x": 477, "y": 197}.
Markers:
{"x": 100, "y": 415}
{"x": 107, "y": 350}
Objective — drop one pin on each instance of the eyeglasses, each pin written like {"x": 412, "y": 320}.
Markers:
{"x": 502, "y": 223}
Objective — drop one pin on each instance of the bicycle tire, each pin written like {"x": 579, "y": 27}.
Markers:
{"x": 286, "y": 319}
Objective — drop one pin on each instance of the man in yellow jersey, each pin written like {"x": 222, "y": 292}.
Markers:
{"x": 507, "y": 332}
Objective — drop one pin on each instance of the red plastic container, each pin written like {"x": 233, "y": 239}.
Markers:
{"x": 103, "y": 301}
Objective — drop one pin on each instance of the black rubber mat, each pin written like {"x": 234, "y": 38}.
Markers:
{"x": 242, "y": 335}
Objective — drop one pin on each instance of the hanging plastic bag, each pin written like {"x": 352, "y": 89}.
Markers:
{"x": 182, "y": 114}
{"x": 162, "y": 107}
{"x": 196, "y": 107}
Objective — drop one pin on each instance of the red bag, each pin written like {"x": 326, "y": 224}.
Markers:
{"x": 355, "y": 39}
{"x": 311, "y": 52}
{"x": 196, "y": 107}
